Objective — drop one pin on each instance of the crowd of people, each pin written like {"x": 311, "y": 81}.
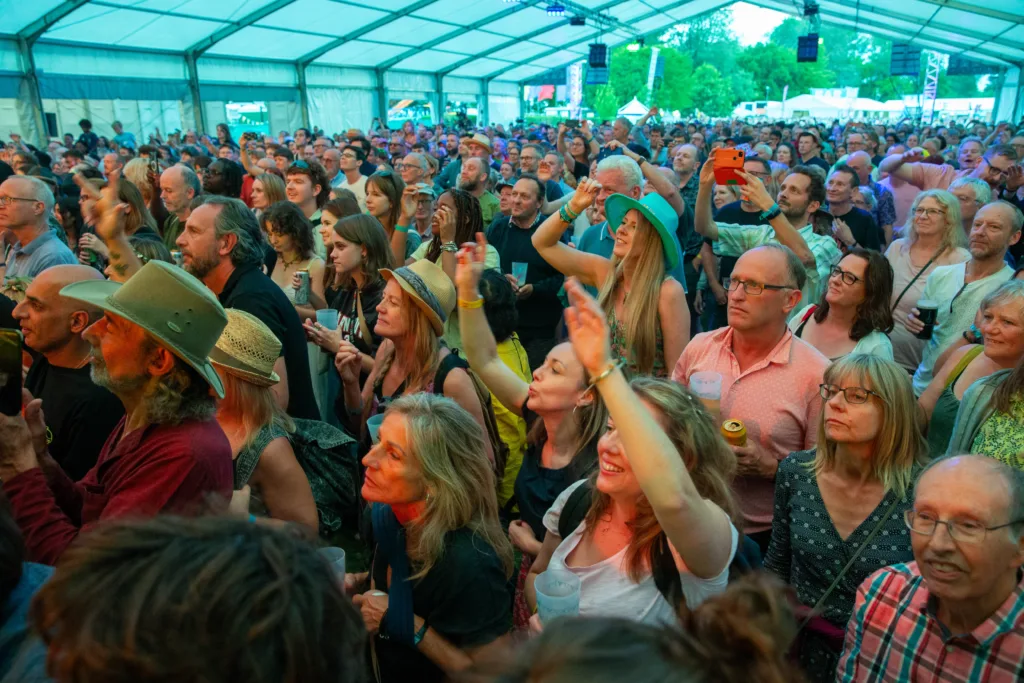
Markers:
{"x": 767, "y": 429}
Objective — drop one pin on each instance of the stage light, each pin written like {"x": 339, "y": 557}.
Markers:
{"x": 577, "y": 21}
{"x": 556, "y": 10}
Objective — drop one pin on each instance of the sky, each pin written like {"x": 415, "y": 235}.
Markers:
{"x": 752, "y": 24}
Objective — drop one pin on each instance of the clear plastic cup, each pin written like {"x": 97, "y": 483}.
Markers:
{"x": 558, "y": 594}
{"x": 519, "y": 271}
{"x": 328, "y": 317}
{"x": 708, "y": 388}
{"x": 336, "y": 558}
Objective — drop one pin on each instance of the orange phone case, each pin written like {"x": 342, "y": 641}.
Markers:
{"x": 727, "y": 162}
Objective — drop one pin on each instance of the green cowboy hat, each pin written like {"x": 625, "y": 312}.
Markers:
{"x": 657, "y": 211}
{"x": 177, "y": 309}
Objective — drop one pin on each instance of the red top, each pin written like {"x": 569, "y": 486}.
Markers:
{"x": 158, "y": 468}
{"x": 247, "y": 182}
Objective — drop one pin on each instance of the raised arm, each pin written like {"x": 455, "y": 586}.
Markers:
{"x": 406, "y": 218}
{"x": 588, "y": 136}
{"x": 755, "y": 193}
{"x": 656, "y": 178}
{"x": 697, "y": 528}
{"x": 590, "y": 268}
{"x": 478, "y": 341}
{"x": 560, "y": 142}
{"x": 110, "y": 228}
{"x": 702, "y": 221}
{"x": 896, "y": 164}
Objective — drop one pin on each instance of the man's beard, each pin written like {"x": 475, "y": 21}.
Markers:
{"x": 795, "y": 212}
{"x": 469, "y": 186}
{"x": 201, "y": 265}
{"x": 101, "y": 377}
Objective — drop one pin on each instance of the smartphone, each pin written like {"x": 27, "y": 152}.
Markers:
{"x": 572, "y": 123}
{"x": 10, "y": 371}
{"x": 727, "y": 162}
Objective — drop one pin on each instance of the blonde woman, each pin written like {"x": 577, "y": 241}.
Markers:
{"x": 660, "y": 505}
{"x": 138, "y": 172}
{"x": 267, "y": 190}
{"x": 933, "y": 237}
{"x": 255, "y": 425}
{"x": 830, "y": 500}
{"x": 646, "y": 308}
{"x": 440, "y": 560}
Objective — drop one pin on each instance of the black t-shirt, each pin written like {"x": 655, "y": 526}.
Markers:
{"x": 537, "y": 487}
{"x": 863, "y": 227}
{"x": 348, "y": 321}
{"x": 876, "y": 160}
{"x": 80, "y": 416}
{"x": 816, "y": 161}
{"x": 552, "y": 190}
{"x": 464, "y": 597}
{"x": 580, "y": 170}
{"x": 540, "y": 312}
{"x": 250, "y": 290}
{"x": 6, "y": 314}
{"x": 733, "y": 214}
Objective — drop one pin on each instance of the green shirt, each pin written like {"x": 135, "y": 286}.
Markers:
{"x": 172, "y": 228}
{"x": 490, "y": 206}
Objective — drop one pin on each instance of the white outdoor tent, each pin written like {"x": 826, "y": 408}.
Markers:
{"x": 338, "y": 63}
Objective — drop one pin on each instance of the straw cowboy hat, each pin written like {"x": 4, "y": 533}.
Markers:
{"x": 430, "y": 287}
{"x": 168, "y": 303}
{"x": 656, "y": 210}
{"x": 247, "y": 349}
{"x": 482, "y": 140}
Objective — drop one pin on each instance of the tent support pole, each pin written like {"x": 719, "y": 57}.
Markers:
{"x": 382, "y": 98}
{"x": 193, "y": 87}
{"x": 35, "y": 97}
{"x": 303, "y": 93}
{"x": 483, "y": 107}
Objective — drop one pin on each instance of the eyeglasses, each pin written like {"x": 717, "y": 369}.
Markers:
{"x": 6, "y": 201}
{"x": 350, "y": 157}
{"x": 754, "y": 288}
{"x": 848, "y": 278}
{"x": 929, "y": 213}
{"x": 855, "y": 395}
{"x": 961, "y": 530}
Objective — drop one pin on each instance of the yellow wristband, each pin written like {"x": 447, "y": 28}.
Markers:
{"x": 475, "y": 303}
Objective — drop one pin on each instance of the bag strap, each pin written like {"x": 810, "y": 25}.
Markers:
{"x": 864, "y": 544}
{"x": 803, "y": 321}
{"x": 914, "y": 279}
{"x": 575, "y": 510}
{"x": 364, "y": 329}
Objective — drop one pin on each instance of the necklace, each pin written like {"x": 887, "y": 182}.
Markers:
{"x": 288, "y": 264}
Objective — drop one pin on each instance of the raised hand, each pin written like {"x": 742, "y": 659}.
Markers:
{"x": 842, "y": 232}
{"x": 409, "y": 198}
{"x": 1014, "y": 178}
{"x": 707, "y": 171}
{"x": 754, "y": 191}
{"x": 445, "y": 221}
{"x": 585, "y": 196}
{"x": 588, "y": 329}
{"x": 544, "y": 171}
{"x": 469, "y": 268}
{"x": 347, "y": 361}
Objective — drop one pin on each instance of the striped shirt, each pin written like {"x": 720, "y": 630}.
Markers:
{"x": 895, "y": 635}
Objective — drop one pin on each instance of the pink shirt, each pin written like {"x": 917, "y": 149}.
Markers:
{"x": 903, "y": 195}
{"x": 934, "y": 176}
{"x": 777, "y": 399}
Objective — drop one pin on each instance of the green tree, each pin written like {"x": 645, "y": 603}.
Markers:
{"x": 604, "y": 101}
{"x": 712, "y": 93}
{"x": 773, "y": 67}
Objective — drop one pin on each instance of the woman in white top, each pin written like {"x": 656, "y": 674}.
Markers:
{"x": 933, "y": 237}
{"x": 853, "y": 315}
{"x": 664, "y": 475}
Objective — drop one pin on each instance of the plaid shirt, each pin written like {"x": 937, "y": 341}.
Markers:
{"x": 894, "y": 635}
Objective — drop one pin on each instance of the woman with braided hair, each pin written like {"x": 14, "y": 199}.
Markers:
{"x": 456, "y": 221}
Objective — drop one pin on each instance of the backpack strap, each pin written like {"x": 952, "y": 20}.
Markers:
{"x": 575, "y": 509}
{"x": 666, "y": 574}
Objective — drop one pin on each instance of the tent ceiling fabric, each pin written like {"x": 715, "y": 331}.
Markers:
{"x": 487, "y": 39}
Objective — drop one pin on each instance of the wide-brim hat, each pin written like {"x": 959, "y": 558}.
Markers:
{"x": 657, "y": 211}
{"x": 482, "y": 140}
{"x": 168, "y": 303}
{"x": 247, "y": 349}
{"x": 430, "y": 287}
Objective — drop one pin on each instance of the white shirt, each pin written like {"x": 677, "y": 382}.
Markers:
{"x": 607, "y": 590}
{"x": 358, "y": 188}
{"x": 958, "y": 304}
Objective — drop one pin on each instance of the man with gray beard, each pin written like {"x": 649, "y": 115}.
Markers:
{"x": 151, "y": 349}
{"x": 473, "y": 179}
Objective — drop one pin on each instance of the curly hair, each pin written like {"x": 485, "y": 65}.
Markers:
{"x": 874, "y": 312}
{"x": 210, "y": 599}
{"x": 287, "y": 219}
{"x": 468, "y": 222}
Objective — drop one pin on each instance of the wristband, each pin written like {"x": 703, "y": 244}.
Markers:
{"x": 402, "y": 228}
{"x": 418, "y": 638}
{"x": 475, "y": 303}
{"x": 771, "y": 213}
{"x": 450, "y": 247}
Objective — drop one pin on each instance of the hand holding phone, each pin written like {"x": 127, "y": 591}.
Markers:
{"x": 727, "y": 163}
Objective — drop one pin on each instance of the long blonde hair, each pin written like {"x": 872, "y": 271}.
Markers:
{"x": 709, "y": 461}
{"x": 273, "y": 188}
{"x": 254, "y": 406}
{"x": 448, "y": 445}
{"x": 900, "y": 445}
{"x": 952, "y": 232}
{"x": 427, "y": 346}
{"x": 641, "y": 301}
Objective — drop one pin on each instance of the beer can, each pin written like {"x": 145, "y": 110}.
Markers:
{"x": 302, "y": 293}
{"x": 734, "y": 433}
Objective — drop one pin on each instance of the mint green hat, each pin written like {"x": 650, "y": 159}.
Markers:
{"x": 656, "y": 210}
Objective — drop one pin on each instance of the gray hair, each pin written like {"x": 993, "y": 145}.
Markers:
{"x": 982, "y": 190}
{"x": 40, "y": 192}
{"x": 1016, "y": 215}
{"x": 631, "y": 173}
{"x": 235, "y": 218}
{"x": 869, "y": 196}
{"x": 182, "y": 395}
{"x": 797, "y": 271}
{"x": 190, "y": 178}
{"x": 1013, "y": 477}
{"x": 972, "y": 138}
{"x": 420, "y": 159}
{"x": 1007, "y": 151}
{"x": 1011, "y": 290}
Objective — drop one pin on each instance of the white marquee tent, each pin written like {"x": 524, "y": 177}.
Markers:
{"x": 338, "y": 63}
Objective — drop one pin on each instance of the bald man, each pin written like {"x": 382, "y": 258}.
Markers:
{"x": 26, "y": 204}
{"x": 179, "y": 185}
{"x": 79, "y": 414}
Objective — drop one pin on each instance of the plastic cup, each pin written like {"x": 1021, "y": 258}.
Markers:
{"x": 558, "y": 594}
{"x": 328, "y": 317}
{"x": 336, "y": 558}
{"x": 519, "y": 272}
{"x": 708, "y": 388}
{"x": 373, "y": 427}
